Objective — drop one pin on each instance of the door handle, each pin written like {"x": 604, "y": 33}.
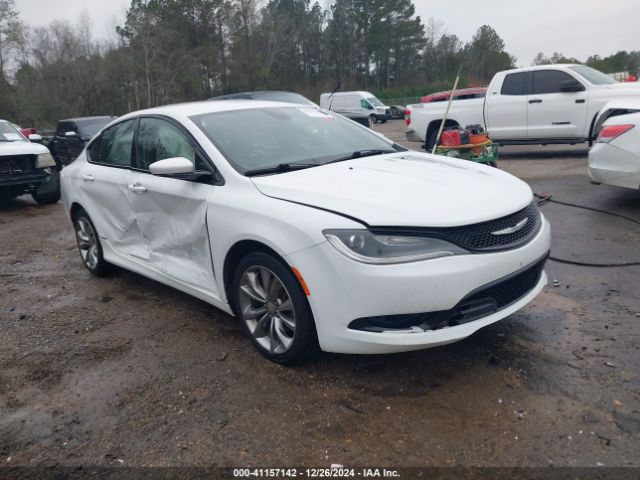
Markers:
{"x": 88, "y": 178}
{"x": 535, "y": 100}
{"x": 580, "y": 100}
{"x": 137, "y": 188}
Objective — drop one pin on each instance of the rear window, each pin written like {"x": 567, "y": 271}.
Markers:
{"x": 515, "y": 84}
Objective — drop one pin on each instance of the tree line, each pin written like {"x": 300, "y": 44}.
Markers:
{"x": 619, "y": 62}
{"x": 168, "y": 51}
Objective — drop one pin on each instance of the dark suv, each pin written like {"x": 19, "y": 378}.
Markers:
{"x": 72, "y": 135}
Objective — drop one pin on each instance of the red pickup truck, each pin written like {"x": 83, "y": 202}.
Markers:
{"x": 462, "y": 94}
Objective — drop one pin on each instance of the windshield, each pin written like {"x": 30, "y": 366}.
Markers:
{"x": 375, "y": 102}
{"x": 88, "y": 128}
{"x": 285, "y": 135}
{"x": 592, "y": 75}
{"x": 9, "y": 133}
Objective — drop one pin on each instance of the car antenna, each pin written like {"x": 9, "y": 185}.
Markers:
{"x": 446, "y": 113}
{"x": 333, "y": 93}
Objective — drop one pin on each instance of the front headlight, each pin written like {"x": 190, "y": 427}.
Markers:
{"x": 45, "y": 160}
{"x": 363, "y": 246}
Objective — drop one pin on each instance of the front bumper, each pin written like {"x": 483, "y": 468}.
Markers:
{"x": 26, "y": 180}
{"x": 614, "y": 166}
{"x": 343, "y": 290}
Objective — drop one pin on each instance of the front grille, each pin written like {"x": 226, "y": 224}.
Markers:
{"x": 501, "y": 293}
{"x": 480, "y": 303}
{"x": 485, "y": 236}
{"x": 16, "y": 164}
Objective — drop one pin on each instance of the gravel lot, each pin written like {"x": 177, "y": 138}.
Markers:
{"x": 126, "y": 371}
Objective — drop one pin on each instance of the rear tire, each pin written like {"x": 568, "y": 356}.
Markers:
{"x": 431, "y": 141}
{"x": 89, "y": 245}
{"x": 273, "y": 309}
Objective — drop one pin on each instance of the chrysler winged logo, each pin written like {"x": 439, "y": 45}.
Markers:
{"x": 518, "y": 226}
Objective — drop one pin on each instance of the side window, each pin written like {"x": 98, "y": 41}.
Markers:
{"x": 515, "y": 84}
{"x": 366, "y": 105}
{"x": 159, "y": 139}
{"x": 548, "y": 81}
{"x": 114, "y": 145}
{"x": 93, "y": 150}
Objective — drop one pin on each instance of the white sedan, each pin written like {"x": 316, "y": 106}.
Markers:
{"x": 316, "y": 232}
{"x": 614, "y": 158}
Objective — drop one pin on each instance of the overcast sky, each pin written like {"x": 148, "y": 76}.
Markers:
{"x": 576, "y": 28}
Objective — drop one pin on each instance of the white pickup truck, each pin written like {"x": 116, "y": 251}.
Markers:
{"x": 536, "y": 105}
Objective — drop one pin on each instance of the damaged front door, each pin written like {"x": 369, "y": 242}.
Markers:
{"x": 171, "y": 213}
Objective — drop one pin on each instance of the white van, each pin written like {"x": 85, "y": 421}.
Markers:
{"x": 350, "y": 103}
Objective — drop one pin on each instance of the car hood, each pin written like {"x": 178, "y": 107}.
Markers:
{"x": 626, "y": 89}
{"x": 403, "y": 189}
{"x": 22, "y": 148}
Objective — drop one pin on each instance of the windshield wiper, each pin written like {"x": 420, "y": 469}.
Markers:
{"x": 281, "y": 168}
{"x": 361, "y": 154}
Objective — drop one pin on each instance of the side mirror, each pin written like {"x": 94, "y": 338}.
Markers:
{"x": 71, "y": 134}
{"x": 34, "y": 137}
{"x": 172, "y": 166}
{"x": 571, "y": 86}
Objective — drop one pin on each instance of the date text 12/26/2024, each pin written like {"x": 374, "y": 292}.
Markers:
{"x": 333, "y": 472}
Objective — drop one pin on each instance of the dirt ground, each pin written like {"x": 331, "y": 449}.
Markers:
{"x": 126, "y": 371}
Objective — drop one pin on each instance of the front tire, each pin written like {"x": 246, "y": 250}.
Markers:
{"x": 89, "y": 245}
{"x": 48, "y": 192}
{"x": 273, "y": 309}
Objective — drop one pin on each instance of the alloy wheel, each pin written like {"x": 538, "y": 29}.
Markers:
{"x": 87, "y": 242}
{"x": 267, "y": 309}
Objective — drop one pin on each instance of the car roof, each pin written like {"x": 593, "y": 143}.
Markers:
{"x": 544, "y": 67}
{"x": 80, "y": 119}
{"x": 198, "y": 108}
{"x": 354, "y": 92}
{"x": 256, "y": 92}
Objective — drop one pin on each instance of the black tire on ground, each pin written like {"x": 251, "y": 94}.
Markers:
{"x": 305, "y": 339}
{"x": 86, "y": 238}
{"x": 49, "y": 192}
{"x": 431, "y": 140}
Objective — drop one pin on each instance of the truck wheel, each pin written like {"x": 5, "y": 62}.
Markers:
{"x": 49, "y": 192}
{"x": 431, "y": 141}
